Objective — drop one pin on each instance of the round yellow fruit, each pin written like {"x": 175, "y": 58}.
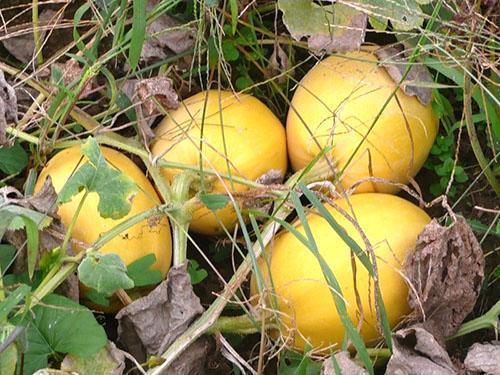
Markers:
{"x": 304, "y": 300}
{"x": 241, "y": 137}
{"x": 134, "y": 243}
{"x": 337, "y": 102}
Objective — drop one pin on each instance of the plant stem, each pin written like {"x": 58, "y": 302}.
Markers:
{"x": 488, "y": 320}
{"x": 36, "y": 33}
{"x": 240, "y": 325}
{"x": 69, "y": 231}
{"x": 209, "y": 318}
{"x": 181, "y": 216}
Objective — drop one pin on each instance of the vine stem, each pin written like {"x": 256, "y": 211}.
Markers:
{"x": 49, "y": 284}
{"x": 488, "y": 320}
{"x": 181, "y": 216}
{"x": 210, "y": 317}
{"x": 36, "y": 33}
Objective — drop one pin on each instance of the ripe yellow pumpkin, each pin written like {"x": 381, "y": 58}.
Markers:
{"x": 304, "y": 301}
{"x": 336, "y": 103}
{"x": 241, "y": 137}
{"x": 137, "y": 241}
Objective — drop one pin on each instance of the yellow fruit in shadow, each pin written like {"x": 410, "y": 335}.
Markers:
{"x": 337, "y": 102}
{"x": 303, "y": 297}
{"x": 238, "y": 135}
{"x": 146, "y": 237}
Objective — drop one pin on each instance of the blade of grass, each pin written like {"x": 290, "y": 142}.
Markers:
{"x": 362, "y": 256}
{"x": 138, "y": 32}
{"x": 332, "y": 281}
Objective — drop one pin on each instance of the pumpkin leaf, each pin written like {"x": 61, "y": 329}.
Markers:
{"x": 60, "y": 326}
{"x": 115, "y": 189}
{"x": 105, "y": 273}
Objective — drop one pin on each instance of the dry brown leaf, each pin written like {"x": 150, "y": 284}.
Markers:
{"x": 484, "y": 358}
{"x": 144, "y": 95}
{"x": 8, "y": 108}
{"x": 416, "y": 352}
{"x": 160, "y": 89}
{"x": 150, "y": 324}
{"x": 394, "y": 59}
{"x": 346, "y": 365}
{"x": 447, "y": 270}
{"x": 165, "y": 33}
{"x": 22, "y": 47}
{"x": 278, "y": 63}
{"x": 72, "y": 72}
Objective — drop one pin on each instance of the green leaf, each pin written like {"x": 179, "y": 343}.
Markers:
{"x": 293, "y": 363}
{"x": 141, "y": 273}
{"x": 97, "y": 297}
{"x": 60, "y": 326}
{"x": 105, "y": 273}
{"x": 8, "y": 358}
{"x": 13, "y": 159}
{"x": 231, "y": 53}
{"x": 213, "y": 201}
{"x": 138, "y": 32}
{"x": 233, "y": 6}
{"x": 102, "y": 362}
{"x": 324, "y": 25}
{"x": 14, "y": 217}
{"x": 113, "y": 187}
{"x": 32, "y": 237}
{"x": 7, "y": 253}
{"x": 404, "y": 14}
{"x": 196, "y": 273}
{"x": 8, "y": 304}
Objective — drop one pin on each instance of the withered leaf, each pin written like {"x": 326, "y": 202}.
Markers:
{"x": 159, "y": 88}
{"x": 447, "y": 270}
{"x": 22, "y": 47}
{"x": 416, "y": 352}
{"x": 150, "y": 324}
{"x": 278, "y": 63}
{"x": 8, "y": 108}
{"x": 165, "y": 33}
{"x": 144, "y": 94}
{"x": 346, "y": 365}
{"x": 484, "y": 358}
{"x": 394, "y": 59}
{"x": 72, "y": 72}
{"x": 337, "y": 27}
{"x": 109, "y": 360}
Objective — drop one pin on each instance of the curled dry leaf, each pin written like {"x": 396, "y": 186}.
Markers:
{"x": 22, "y": 47}
{"x": 72, "y": 72}
{"x": 345, "y": 363}
{"x": 159, "y": 88}
{"x": 484, "y": 358}
{"x": 337, "y": 27}
{"x": 394, "y": 59}
{"x": 8, "y": 108}
{"x": 416, "y": 352}
{"x": 447, "y": 270}
{"x": 165, "y": 33}
{"x": 150, "y": 324}
{"x": 278, "y": 63}
{"x": 144, "y": 95}
{"x": 109, "y": 360}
